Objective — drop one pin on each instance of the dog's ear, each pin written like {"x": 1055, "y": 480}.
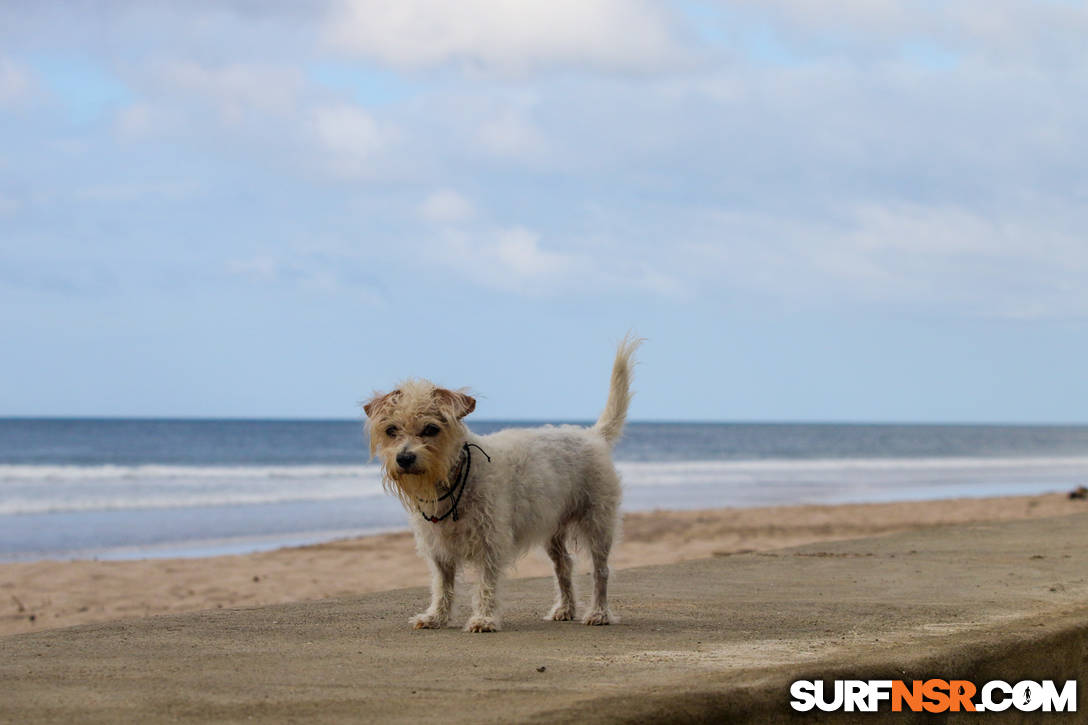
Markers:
{"x": 375, "y": 404}
{"x": 459, "y": 403}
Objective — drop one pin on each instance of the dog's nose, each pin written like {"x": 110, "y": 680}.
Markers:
{"x": 406, "y": 459}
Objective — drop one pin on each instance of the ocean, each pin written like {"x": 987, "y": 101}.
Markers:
{"x": 114, "y": 489}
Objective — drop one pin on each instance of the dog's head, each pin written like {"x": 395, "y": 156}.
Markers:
{"x": 416, "y": 433}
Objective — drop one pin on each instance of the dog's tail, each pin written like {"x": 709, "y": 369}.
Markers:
{"x": 610, "y": 424}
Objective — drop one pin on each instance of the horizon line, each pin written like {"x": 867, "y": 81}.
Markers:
{"x": 544, "y": 421}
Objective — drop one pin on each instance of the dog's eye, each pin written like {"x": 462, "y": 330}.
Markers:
{"x": 391, "y": 431}
{"x": 429, "y": 430}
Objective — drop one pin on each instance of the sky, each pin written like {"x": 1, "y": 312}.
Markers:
{"x": 870, "y": 210}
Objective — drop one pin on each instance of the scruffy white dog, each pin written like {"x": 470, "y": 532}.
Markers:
{"x": 487, "y": 499}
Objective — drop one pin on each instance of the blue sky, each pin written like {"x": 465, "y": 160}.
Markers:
{"x": 234, "y": 208}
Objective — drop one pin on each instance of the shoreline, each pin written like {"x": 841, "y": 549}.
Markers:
{"x": 176, "y": 511}
{"x": 47, "y": 594}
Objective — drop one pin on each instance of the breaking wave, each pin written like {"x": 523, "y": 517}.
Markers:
{"x": 37, "y": 489}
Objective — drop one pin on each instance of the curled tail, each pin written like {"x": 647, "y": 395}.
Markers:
{"x": 610, "y": 424}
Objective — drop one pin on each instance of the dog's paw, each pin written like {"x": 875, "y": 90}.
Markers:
{"x": 560, "y": 613}
{"x": 598, "y": 617}
{"x": 481, "y": 624}
{"x": 427, "y": 620}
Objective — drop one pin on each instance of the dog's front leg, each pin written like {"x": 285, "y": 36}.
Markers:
{"x": 485, "y": 614}
{"x": 443, "y": 576}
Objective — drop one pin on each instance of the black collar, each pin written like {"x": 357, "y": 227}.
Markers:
{"x": 458, "y": 488}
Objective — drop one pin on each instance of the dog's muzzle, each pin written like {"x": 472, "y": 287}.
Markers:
{"x": 406, "y": 460}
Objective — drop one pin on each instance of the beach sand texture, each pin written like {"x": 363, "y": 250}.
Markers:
{"x": 45, "y": 594}
{"x": 712, "y": 640}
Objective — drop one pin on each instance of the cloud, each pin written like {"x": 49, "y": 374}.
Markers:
{"x": 1002, "y": 32}
{"x": 446, "y": 205}
{"x": 1017, "y": 265}
{"x": 236, "y": 88}
{"x": 139, "y": 120}
{"x": 936, "y": 259}
{"x": 848, "y": 167}
{"x": 267, "y": 113}
{"x": 173, "y": 190}
{"x": 519, "y": 254}
{"x": 508, "y": 35}
{"x": 509, "y": 259}
{"x": 511, "y": 134}
{"x": 514, "y": 260}
{"x": 15, "y": 83}
{"x": 311, "y": 274}
{"x": 9, "y": 206}
{"x": 183, "y": 96}
{"x": 190, "y": 98}
{"x": 349, "y": 136}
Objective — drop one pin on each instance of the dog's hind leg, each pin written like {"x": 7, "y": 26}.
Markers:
{"x": 443, "y": 576}
{"x": 598, "y": 608}
{"x": 561, "y": 558}
{"x": 598, "y": 533}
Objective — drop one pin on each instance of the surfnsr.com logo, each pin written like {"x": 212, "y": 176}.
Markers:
{"x": 933, "y": 696}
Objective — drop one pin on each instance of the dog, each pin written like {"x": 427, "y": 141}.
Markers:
{"x": 485, "y": 500}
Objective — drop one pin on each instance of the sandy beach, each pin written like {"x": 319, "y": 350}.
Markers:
{"x": 48, "y": 594}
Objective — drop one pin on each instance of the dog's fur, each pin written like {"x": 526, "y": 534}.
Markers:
{"x": 541, "y": 486}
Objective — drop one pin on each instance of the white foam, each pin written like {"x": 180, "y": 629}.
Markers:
{"x": 55, "y": 489}
{"x": 877, "y": 470}
{"x": 161, "y": 472}
{"x": 29, "y": 489}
